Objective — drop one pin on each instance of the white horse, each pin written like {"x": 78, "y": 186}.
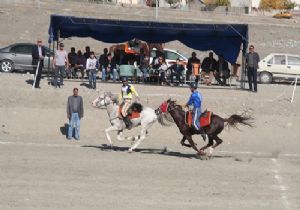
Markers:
{"x": 146, "y": 120}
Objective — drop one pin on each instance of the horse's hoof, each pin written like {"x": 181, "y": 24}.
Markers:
{"x": 130, "y": 151}
{"x": 201, "y": 153}
{"x": 210, "y": 151}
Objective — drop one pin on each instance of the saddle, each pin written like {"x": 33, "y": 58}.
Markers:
{"x": 205, "y": 118}
{"x": 134, "y": 110}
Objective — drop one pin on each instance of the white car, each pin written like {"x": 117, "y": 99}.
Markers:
{"x": 171, "y": 56}
{"x": 278, "y": 65}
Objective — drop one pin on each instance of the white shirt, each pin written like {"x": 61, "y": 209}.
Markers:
{"x": 40, "y": 51}
{"x": 91, "y": 63}
{"x": 60, "y": 57}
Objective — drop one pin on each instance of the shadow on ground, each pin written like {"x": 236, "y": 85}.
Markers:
{"x": 164, "y": 152}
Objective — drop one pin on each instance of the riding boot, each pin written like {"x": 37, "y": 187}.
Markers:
{"x": 127, "y": 122}
{"x": 201, "y": 132}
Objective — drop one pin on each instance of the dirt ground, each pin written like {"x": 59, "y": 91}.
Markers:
{"x": 255, "y": 168}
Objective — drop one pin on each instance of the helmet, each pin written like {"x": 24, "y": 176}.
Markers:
{"x": 124, "y": 79}
{"x": 193, "y": 85}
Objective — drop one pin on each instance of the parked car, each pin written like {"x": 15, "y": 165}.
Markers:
{"x": 171, "y": 56}
{"x": 283, "y": 15}
{"x": 278, "y": 65}
{"x": 18, "y": 57}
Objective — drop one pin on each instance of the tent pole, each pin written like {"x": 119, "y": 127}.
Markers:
{"x": 156, "y": 9}
{"x": 48, "y": 70}
{"x": 58, "y": 37}
{"x": 243, "y": 74}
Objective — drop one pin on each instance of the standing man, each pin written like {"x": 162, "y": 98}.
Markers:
{"x": 91, "y": 68}
{"x": 195, "y": 101}
{"x": 192, "y": 60}
{"x": 252, "y": 59}
{"x": 112, "y": 66}
{"x": 38, "y": 55}
{"x": 60, "y": 62}
{"x": 103, "y": 62}
{"x": 72, "y": 58}
{"x": 74, "y": 114}
{"x": 126, "y": 97}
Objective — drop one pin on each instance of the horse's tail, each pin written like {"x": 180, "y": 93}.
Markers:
{"x": 235, "y": 119}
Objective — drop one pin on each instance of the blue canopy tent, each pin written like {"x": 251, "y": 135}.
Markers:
{"x": 223, "y": 39}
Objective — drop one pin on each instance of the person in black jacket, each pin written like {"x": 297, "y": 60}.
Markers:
{"x": 38, "y": 55}
{"x": 177, "y": 70}
{"x": 209, "y": 66}
{"x": 112, "y": 66}
{"x": 103, "y": 62}
{"x": 252, "y": 60}
{"x": 72, "y": 57}
{"x": 222, "y": 71}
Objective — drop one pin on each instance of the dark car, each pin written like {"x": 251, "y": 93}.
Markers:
{"x": 18, "y": 57}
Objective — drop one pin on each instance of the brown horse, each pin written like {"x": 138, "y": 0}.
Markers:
{"x": 213, "y": 130}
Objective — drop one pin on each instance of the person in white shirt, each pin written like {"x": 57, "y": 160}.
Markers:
{"x": 60, "y": 62}
{"x": 92, "y": 66}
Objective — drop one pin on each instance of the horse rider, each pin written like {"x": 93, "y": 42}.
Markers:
{"x": 195, "y": 101}
{"x": 126, "y": 98}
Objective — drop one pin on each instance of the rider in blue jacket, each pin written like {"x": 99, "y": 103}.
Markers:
{"x": 195, "y": 100}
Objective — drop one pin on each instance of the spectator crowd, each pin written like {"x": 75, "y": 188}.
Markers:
{"x": 80, "y": 65}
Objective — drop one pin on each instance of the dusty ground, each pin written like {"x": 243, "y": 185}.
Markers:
{"x": 26, "y": 20}
{"x": 255, "y": 168}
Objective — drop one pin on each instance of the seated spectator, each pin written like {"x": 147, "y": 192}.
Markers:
{"x": 72, "y": 58}
{"x": 176, "y": 71}
{"x": 155, "y": 61}
{"x": 80, "y": 64}
{"x": 162, "y": 69}
{"x": 208, "y": 66}
{"x": 222, "y": 71}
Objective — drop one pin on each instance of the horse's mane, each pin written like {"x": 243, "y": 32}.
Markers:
{"x": 114, "y": 97}
{"x": 136, "y": 107}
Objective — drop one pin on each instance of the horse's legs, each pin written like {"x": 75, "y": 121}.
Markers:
{"x": 218, "y": 140}
{"x": 107, "y": 130}
{"x": 192, "y": 143}
{"x": 210, "y": 143}
{"x": 212, "y": 147}
{"x": 183, "y": 142}
{"x": 140, "y": 137}
{"x": 120, "y": 137}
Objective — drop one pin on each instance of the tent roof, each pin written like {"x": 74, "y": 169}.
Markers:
{"x": 223, "y": 39}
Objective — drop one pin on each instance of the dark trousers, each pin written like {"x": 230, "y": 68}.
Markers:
{"x": 162, "y": 77}
{"x": 38, "y": 74}
{"x": 252, "y": 78}
{"x": 218, "y": 78}
{"x": 177, "y": 77}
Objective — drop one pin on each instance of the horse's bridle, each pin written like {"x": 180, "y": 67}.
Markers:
{"x": 167, "y": 104}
